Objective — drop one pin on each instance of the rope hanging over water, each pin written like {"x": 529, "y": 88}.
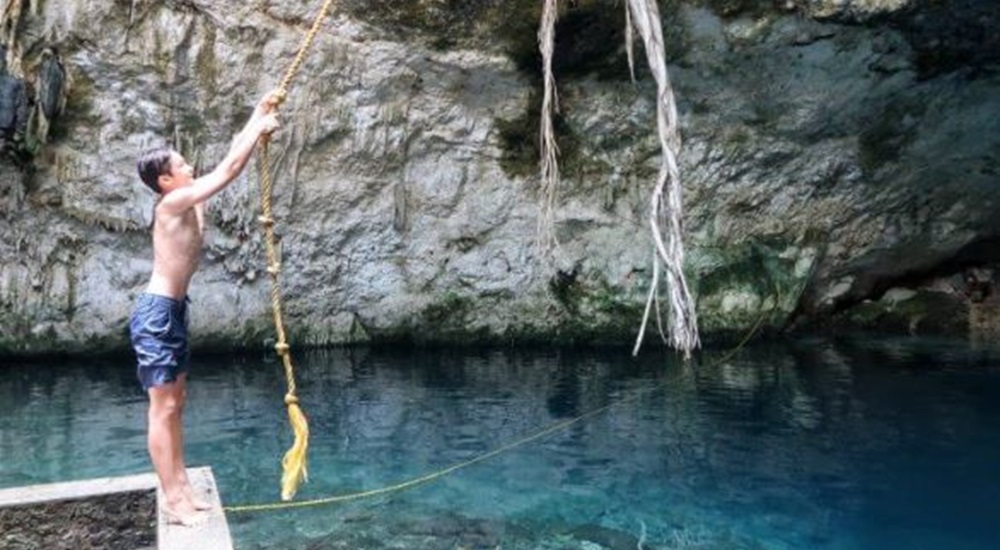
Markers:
{"x": 665, "y": 214}
{"x": 665, "y": 218}
{"x": 433, "y": 476}
{"x": 294, "y": 467}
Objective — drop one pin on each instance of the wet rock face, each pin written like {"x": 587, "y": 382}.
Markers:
{"x": 834, "y": 150}
{"x": 13, "y": 112}
{"x": 953, "y": 35}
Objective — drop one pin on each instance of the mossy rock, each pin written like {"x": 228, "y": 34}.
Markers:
{"x": 925, "y": 312}
{"x": 739, "y": 286}
{"x": 593, "y": 311}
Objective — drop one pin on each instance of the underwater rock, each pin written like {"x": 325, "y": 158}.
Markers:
{"x": 605, "y": 537}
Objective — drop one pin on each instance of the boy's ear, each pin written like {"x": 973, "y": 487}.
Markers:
{"x": 164, "y": 180}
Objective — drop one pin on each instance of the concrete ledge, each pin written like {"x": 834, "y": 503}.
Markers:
{"x": 118, "y": 512}
{"x": 211, "y": 535}
{"x": 74, "y": 490}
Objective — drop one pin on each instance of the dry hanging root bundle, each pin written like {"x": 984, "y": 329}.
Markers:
{"x": 666, "y": 208}
{"x": 666, "y": 202}
{"x": 548, "y": 149}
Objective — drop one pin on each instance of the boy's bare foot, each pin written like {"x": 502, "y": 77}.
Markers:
{"x": 196, "y": 502}
{"x": 184, "y": 515}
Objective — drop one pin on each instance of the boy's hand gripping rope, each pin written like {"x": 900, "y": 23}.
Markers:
{"x": 294, "y": 462}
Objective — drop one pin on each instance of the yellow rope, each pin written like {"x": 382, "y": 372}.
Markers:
{"x": 307, "y": 41}
{"x": 294, "y": 462}
{"x": 409, "y": 484}
{"x": 412, "y": 482}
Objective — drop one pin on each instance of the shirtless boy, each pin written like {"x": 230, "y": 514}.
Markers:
{"x": 158, "y": 325}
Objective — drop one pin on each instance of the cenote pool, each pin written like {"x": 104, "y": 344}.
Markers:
{"x": 850, "y": 444}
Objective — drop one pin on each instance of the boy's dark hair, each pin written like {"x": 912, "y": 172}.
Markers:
{"x": 152, "y": 164}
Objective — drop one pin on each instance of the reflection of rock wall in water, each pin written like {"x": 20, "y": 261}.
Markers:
{"x": 831, "y": 154}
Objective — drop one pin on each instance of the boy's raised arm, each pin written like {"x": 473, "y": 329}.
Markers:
{"x": 262, "y": 121}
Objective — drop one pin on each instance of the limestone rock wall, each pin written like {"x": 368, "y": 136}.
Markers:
{"x": 834, "y": 150}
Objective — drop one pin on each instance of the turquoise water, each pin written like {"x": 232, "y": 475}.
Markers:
{"x": 858, "y": 444}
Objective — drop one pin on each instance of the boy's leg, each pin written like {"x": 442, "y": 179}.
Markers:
{"x": 180, "y": 470}
{"x": 166, "y": 448}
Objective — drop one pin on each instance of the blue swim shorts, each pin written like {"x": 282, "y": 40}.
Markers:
{"x": 159, "y": 332}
